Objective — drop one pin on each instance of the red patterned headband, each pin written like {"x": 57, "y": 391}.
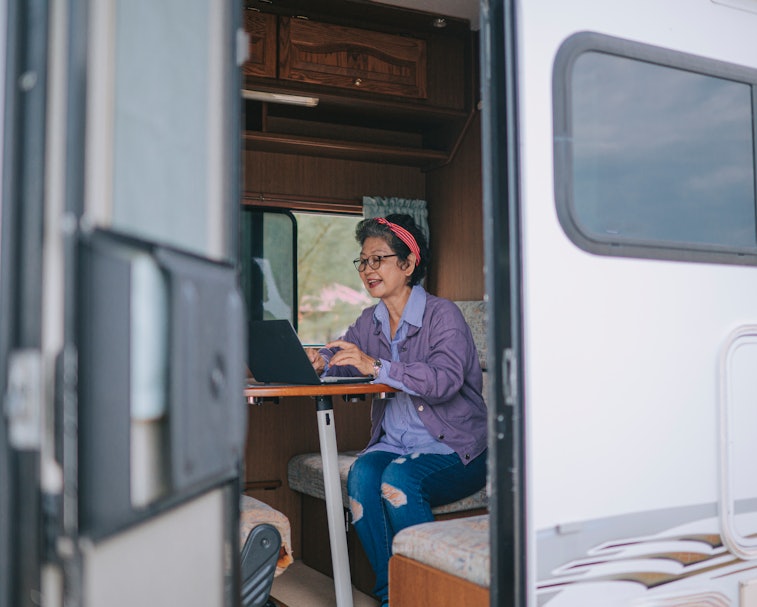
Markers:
{"x": 404, "y": 236}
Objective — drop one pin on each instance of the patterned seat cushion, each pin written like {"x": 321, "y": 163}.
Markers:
{"x": 305, "y": 473}
{"x": 475, "y": 315}
{"x": 253, "y": 512}
{"x": 474, "y": 312}
{"x": 458, "y": 546}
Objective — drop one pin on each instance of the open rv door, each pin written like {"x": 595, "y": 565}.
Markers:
{"x": 122, "y": 324}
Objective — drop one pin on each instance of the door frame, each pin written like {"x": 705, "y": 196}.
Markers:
{"x": 501, "y": 170}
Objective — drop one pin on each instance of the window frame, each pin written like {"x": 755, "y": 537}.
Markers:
{"x": 288, "y": 205}
{"x": 257, "y": 306}
{"x": 562, "y": 85}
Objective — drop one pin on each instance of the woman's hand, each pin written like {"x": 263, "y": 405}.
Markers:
{"x": 350, "y": 354}
{"x": 318, "y": 362}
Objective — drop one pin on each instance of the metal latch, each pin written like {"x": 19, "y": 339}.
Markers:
{"x": 510, "y": 377}
{"x": 23, "y": 400}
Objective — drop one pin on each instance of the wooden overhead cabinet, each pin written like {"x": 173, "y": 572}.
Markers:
{"x": 352, "y": 58}
{"x": 390, "y": 88}
{"x": 261, "y": 31}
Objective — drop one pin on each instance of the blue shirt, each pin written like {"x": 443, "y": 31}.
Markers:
{"x": 403, "y": 431}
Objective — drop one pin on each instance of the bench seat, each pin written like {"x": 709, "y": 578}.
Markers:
{"x": 458, "y": 546}
{"x": 438, "y": 564}
{"x": 305, "y": 474}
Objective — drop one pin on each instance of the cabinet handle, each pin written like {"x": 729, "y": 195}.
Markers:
{"x": 358, "y": 81}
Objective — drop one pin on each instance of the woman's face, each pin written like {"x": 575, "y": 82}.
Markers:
{"x": 389, "y": 278}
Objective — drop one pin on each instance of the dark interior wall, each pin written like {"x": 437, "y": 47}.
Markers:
{"x": 453, "y": 193}
{"x": 279, "y": 431}
{"x": 454, "y": 197}
{"x": 297, "y": 175}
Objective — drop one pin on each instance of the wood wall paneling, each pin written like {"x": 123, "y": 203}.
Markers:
{"x": 447, "y": 62}
{"x": 297, "y": 175}
{"x": 415, "y": 584}
{"x": 279, "y": 431}
{"x": 454, "y": 195}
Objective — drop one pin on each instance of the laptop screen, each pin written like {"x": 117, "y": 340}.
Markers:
{"x": 277, "y": 356}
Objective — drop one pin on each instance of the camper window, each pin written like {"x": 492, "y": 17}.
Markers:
{"x": 654, "y": 152}
{"x": 297, "y": 265}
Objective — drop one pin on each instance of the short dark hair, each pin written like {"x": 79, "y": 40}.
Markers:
{"x": 370, "y": 228}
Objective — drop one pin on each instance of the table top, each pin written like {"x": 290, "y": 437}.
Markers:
{"x": 253, "y": 391}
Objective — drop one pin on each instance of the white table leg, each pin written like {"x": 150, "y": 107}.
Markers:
{"x": 334, "y": 507}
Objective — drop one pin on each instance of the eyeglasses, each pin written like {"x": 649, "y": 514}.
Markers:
{"x": 374, "y": 261}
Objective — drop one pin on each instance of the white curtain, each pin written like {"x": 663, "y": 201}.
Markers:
{"x": 378, "y": 206}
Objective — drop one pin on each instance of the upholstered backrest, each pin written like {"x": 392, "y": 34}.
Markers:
{"x": 475, "y": 315}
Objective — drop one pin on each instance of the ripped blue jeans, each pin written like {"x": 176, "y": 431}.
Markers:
{"x": 389, "y": 492}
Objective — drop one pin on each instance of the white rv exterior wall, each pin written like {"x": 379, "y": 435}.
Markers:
{"x": 621, "y": 355}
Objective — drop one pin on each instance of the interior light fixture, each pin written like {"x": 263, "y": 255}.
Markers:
{"x": 280, "y": 98}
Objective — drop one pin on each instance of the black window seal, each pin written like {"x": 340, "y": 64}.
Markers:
{"x": 251, "y": 306}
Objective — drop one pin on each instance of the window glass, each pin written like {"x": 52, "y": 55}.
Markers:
{"x": 656, "y": 156}
{"x": 331, "y": 293}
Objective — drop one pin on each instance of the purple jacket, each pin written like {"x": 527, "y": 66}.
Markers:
{"x": 439, "y": 363}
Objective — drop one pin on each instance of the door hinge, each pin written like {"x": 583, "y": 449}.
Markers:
{"x": 23, "y": 400}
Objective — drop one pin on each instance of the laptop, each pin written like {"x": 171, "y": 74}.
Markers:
{"x": 280, "y": 358}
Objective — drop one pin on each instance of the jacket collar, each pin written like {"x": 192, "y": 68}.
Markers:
{"x": 412, "y": 314}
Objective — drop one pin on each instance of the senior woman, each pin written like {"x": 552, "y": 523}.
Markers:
{"x": 428, "y": 443}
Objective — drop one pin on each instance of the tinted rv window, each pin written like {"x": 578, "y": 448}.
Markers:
{"x": 654, "y": 153}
